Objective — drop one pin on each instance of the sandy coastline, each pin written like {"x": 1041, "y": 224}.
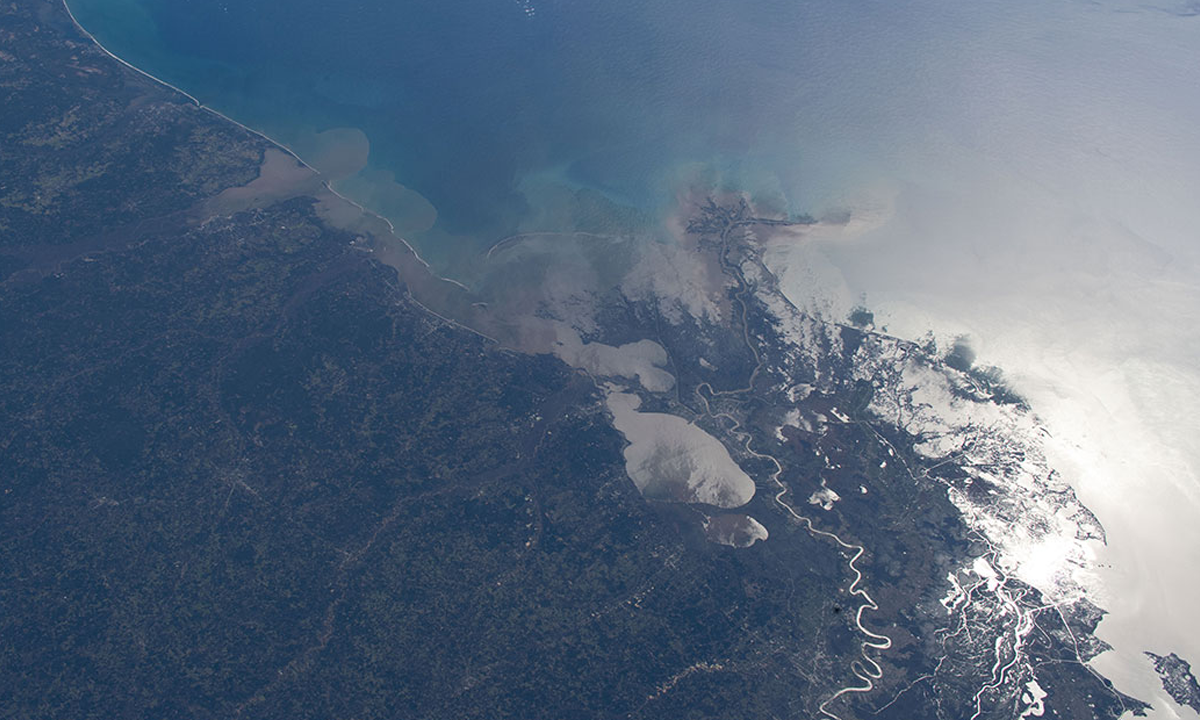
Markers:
{"x": 276, "y": 143}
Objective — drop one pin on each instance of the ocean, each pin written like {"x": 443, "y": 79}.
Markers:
{"x": 500, "y": 116}
{"x": 1023, "y": 174}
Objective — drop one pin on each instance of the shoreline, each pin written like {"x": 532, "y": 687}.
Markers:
{"x": 272, "y": 141}
{"x": 283, "y": 148}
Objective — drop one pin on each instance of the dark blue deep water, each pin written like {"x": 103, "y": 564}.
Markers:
{"x": 1025, "y": 171}
{"x": 505, "y": 115}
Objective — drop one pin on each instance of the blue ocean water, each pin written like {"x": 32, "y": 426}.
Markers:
{"x": 1024, "y": 171}
{"x": 487, "y": 118}
{"x": 506, "y": 116}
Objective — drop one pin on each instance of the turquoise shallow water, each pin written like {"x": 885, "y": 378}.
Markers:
{"x": 486, "y": 118}
{"x": 505, "y": 116}
{"x": 1024, "y": 171}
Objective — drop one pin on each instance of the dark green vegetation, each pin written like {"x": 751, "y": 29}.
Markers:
{"x": 1177, "y": 679}
{"x": 94, "y": 154}
{"x": 243, "y": 475}
{"x": 913, "y": 534}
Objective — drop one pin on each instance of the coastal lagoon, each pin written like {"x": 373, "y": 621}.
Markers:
{"x": 1023, "y": 174}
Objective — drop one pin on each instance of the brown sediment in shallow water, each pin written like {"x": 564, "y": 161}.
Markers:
{"x": 669, "y": 458}
{"x": 279, "y": 177}
{"x": 535, "y": 293}
{"x": 734, "y": 530}
{"x": 283, "y": 176}
{"x": 337, "y": 153}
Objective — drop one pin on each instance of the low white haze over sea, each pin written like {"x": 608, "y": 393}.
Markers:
{"x": 1025, "y": 173}
{"x": 1028, "y": 174}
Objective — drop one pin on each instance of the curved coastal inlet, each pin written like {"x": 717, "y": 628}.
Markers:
{"x": 866, "y": 669}
{"x": 724, "y": 221}
{"x": 1009, "y": 659}
{"x": 453, "y": 297}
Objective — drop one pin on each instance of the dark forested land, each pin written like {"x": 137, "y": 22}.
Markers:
{"x": 243, "y": 474}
